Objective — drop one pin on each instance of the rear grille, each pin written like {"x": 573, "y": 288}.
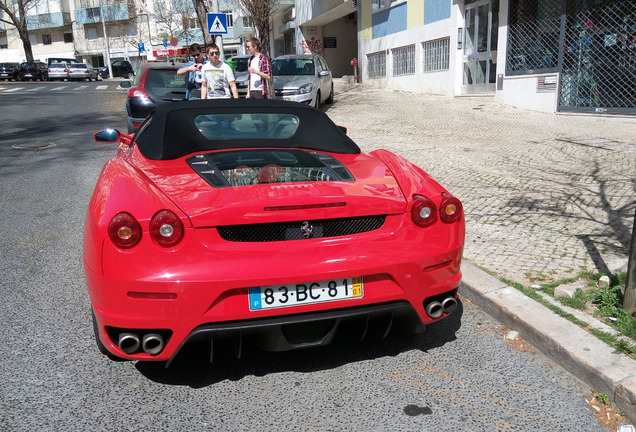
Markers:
{"x": 300, "y": 230}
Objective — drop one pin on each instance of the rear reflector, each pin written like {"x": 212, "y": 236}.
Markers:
{"x": 306, "y": 206}
{"x": 151, "y": 295}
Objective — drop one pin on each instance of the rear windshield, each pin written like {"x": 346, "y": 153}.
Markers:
{"x": 247, "y": 126}
{"x": 165, "y": 84}
{"x": 251, "y": 167}
{"x": 57, "y": 65}
{"x": 79, "y": 66}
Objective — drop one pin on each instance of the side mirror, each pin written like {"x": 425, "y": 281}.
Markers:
{"x": 125, "y": 84}
{"x": 343, "y": 129}
{"x": 108, "y": 135}
{"x": 325, "y": 73}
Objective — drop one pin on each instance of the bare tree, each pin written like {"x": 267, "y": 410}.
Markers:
{"x": 17, "y": 14}
{"x": 259, "y": 12}
{"x": 202, "y": 15}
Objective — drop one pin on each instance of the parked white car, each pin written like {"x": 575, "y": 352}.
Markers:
{"x": 303, "y": 78}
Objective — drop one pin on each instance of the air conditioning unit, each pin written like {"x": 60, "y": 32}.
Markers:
{"x": 289, "y": 15}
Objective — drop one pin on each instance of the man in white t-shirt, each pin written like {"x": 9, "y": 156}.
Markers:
{"x": 217, "y": 77}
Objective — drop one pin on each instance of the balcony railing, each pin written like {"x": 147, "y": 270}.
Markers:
{"x": 50, "y": 20}
{"x": 112, "y": 12}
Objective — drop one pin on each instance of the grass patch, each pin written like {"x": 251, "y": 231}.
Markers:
{"x": 606, "y": 299}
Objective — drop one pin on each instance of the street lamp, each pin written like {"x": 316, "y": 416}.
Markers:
{"x": 101, "y": 14}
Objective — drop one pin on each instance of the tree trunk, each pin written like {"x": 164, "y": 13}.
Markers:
{"x": 629, "y": 300}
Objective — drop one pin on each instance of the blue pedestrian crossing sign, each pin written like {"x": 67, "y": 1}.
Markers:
{"x": 217, "y": 23}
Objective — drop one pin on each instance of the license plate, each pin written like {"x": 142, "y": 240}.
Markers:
{"x": 279, "y": 296}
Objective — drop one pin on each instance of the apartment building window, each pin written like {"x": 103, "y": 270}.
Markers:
{"x": 404, "y": 60}
{"x": 230, "y": 19}
{"x": 68, "y": 37}
{"x": 376, "y": 65}
{"x": 91, "y": 33}
{"x": 436, "y": 55}
{"x": 46, "y": 39}
{"x": 92, "y": 13}
{"x": 190, "y": 23}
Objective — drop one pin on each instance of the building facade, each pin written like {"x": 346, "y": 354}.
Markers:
{"x": 543, "y": 55}
{"x": 137, "y": 31}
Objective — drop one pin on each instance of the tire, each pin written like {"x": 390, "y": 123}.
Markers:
{"x": 90, "y": 79}
{"x": 100, "y": 346}
{"x": 130, "y": 75}
{"x": 330, "y": 98}
{"x": 317, "y": 103}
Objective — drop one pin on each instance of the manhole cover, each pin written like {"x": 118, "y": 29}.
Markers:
{"x": 35, "y": 147}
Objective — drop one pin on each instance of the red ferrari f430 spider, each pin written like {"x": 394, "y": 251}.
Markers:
{"x": 261, "y": 222}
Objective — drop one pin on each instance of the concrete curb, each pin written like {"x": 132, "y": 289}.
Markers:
{"x": 579, "y": 352}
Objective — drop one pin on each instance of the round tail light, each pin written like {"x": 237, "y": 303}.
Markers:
{"x": 451, "y": 209}
{"x": 424, "y": 211}
{"x": 166, "y": 228}
{"x": 124, "y": 230}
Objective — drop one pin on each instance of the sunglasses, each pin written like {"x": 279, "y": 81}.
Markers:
{"x": 196, "y": 55}
{"x": 214, "y": 53}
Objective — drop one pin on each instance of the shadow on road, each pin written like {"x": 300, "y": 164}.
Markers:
{"x": 192, "y": 369}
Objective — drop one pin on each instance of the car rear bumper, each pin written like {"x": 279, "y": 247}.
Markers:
{"x": 204, "y": 290}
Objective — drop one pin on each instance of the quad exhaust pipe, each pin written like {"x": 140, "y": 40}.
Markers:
{"x": 436, "y": 309}
{"x": 151, "y": 343}
{"x": 128, "y": 342}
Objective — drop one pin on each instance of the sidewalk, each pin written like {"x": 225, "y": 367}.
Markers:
{"x": 545, "y": 197}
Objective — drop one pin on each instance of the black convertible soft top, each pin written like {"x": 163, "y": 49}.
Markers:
{"x": 177, "y": 129}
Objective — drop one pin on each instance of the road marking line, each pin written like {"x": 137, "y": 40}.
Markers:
{"x": 13, "y": 89}
{"x": 80, "y": 87}
{"x": 33, "y": 89}
{"x": 58, "y": 88}
{"x": 102, "y": 87}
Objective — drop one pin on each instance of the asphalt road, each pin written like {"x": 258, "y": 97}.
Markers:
{"x": 461, "y": 375}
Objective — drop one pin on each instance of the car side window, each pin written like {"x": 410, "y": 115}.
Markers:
{"x": 323, "y": 63}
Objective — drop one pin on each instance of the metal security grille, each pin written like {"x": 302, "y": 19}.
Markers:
{"x": 300, "y": 230}
{"x": 403, "y": 60}
{"x": 436, "y": 55}
{"x": 376, "y": 65}
{"x": 592, "y": 43}
{"x": 599, "y": 57}
{"x": 533, "y": 36}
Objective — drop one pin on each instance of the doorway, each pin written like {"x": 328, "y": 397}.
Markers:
{"x": 479, "y": 58}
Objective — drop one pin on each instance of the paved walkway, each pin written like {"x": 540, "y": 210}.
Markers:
{"x": 545, "y": 195}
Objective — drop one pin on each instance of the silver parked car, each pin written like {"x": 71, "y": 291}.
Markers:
{"x": 304, "y": 78}
{"x": 58, "y": 71}
{"x": 82, "y": 71}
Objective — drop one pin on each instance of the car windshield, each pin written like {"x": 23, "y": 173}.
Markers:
{"x": 241, "y": 65}
{"x": 293, "y": 67}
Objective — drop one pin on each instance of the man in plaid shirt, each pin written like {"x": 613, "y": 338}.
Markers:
{"x": 260, "y": 70}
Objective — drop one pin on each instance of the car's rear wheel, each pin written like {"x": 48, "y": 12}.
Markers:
{"x": 330, "y": 98}
{"x": 130, "y": 75}
{"x": 100, "y": 346}
{"x": 90, "y": 79}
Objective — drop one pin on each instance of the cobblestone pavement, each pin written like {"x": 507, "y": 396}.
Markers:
{"x": 545, "y": 195}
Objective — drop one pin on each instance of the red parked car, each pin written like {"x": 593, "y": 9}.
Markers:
{"x": 261, "y": 221}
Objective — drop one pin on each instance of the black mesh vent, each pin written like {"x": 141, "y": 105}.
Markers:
{"x": 300, "y": 230}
